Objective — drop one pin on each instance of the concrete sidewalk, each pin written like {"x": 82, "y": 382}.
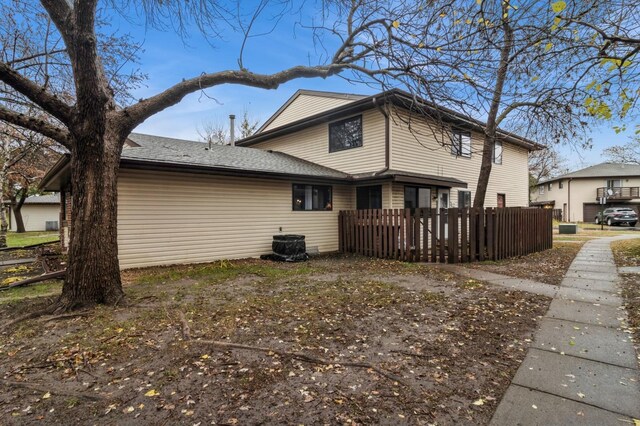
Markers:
{"x": 582, "y": 368}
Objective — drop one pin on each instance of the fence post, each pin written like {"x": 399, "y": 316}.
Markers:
{"x": 464, "y": 236}
{"x": 434, "y": 234}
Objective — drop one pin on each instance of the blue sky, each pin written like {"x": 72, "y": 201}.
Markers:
{"x": 167, "y": 59}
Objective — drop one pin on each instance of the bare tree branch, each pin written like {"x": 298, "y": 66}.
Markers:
{"x": 37, "y": 125}
{"x": 144, "y": 109}
{"x": 36, "y": 93}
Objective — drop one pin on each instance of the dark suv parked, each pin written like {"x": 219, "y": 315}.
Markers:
{"x": 617, "y": 216}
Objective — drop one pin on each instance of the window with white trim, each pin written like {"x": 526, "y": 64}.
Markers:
{"x": 461, "y": 143}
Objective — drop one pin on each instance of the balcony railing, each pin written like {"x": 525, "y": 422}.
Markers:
{"x": 619, "y": 193}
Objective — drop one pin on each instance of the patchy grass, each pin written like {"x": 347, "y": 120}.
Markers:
{"x": 627, "y": 253}
{"x": 28, "y": 238}
{"x": 548, "y": 266}
{"x": 45, "y": 288}
{"x": 436, "y": 343}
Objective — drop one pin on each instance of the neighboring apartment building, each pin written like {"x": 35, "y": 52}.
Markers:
{"x": 181, "y": 202}
{"x": 579, "y": 194}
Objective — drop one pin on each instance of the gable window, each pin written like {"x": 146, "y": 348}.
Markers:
{"x": 415, "y": 197}
{"x": 369, "y": 197}
{"x": 311, "y": 197}
{"x": 497, "y": 152}
{"x": 464, "y": 199}
{"x": 560, "y": 185}
{"x": 345, "y": 134}
{"x": 461, "y": 143}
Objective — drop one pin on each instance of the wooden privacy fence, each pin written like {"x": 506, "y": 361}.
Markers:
{"x": 451, "y": 235}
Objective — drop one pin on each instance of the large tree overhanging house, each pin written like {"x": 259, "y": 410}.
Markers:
{"x": 185, "y": 202}
{"x": 578, "y": 194}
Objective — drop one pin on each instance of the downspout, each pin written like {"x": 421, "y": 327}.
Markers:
{"x": 569, "y": 200}
{"x": 387, "y": 146}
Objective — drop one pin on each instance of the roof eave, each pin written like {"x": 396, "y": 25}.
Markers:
{"x": 397, "y": 97}
{"x": 224, "y": 171}
{"x": 53, "y": 176}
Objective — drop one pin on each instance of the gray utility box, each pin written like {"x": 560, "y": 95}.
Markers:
{"x": 567, "y": 228}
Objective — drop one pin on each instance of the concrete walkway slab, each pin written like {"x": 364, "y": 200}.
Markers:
{"x": 590, "y": 382}
{"x": 587, "y": 313}
{"x": 629, "y": 270}
{"x": 592, "y": 296}
{"x": 581, "y": 368}
{"x": 585, "y": 341}
{"x": 607, "y": 276}
{"x": 586, "y": 284}
{"x": 527, "y": 407}
{"x": 606, "y": 268}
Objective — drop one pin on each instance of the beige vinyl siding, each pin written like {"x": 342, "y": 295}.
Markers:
{"x": 417, "y": 150}
{"x": 35, "y": 216}
{"x": 312, "y": 144}
{"x": 305, "y": 106}
{"x": 169, "y": 218}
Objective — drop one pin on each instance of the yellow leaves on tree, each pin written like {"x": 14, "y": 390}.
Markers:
{"x": 598, "y": 108}
{"x": 558, "y": 6}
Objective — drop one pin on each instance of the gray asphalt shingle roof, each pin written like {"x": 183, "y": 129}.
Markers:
{"x": 601, "y": 170}
{"x": 43, "y": 199}
{"x": 162, "y": 150}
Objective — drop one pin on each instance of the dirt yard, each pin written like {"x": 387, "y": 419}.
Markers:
{"x": 334, "y": 341}
{"x": 627, "y": 253}
{"x": 548, "y": 266}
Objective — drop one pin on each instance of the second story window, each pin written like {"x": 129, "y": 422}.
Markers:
{"x": 461, "y": 143}
{"x": 550, "y": 186}
{"x": 541, "y": 190}
{"x": 345, "y": 134}
{"x": 560, "y": 185}
{"x": 614, "y": 183}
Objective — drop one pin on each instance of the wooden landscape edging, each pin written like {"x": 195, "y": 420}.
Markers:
{"x": 449, "y": 235}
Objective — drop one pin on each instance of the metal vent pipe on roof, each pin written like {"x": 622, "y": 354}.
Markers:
{"x": 232, "y": 129}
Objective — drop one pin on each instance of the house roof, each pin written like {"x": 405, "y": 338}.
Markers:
{"x": 150, "y": 151}
{"x": 410, "y": 177}
{"x": 602, "y": 170}
{"x": 395, "y": 96}
{"x": 161, "y": 153}
{"x": 345, "y": 96}
{"x": 41, "y": 199}
{"x": 158, "y": 149}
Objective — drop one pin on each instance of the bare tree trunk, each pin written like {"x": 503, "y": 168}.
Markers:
{"x": 4, "y": 225}
{"x": 492, "y": 119}
{"x": 17, "y": 216}
{"x": 93, "y": 273}
{"x": 16, "y": 206}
